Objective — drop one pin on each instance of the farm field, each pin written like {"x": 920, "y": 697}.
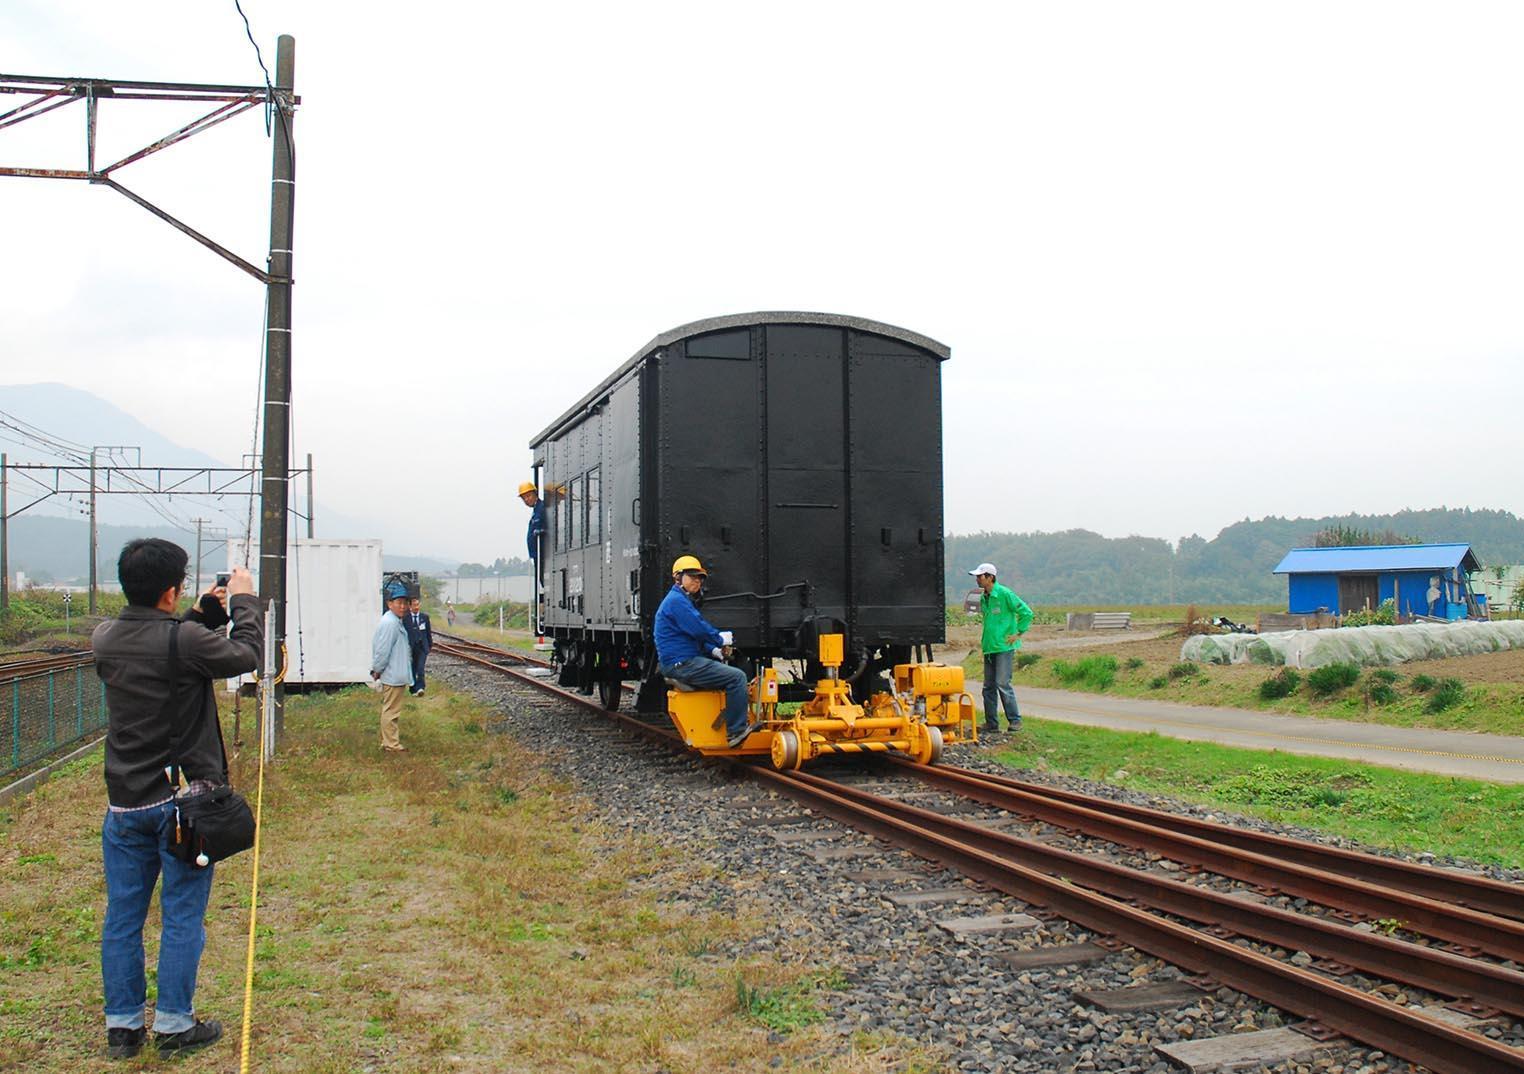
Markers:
{"x": 1489, "y": 696}
{"x": 454, "y": 908}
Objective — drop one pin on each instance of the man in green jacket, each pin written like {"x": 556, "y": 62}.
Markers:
{"x": 1006, "y": 619}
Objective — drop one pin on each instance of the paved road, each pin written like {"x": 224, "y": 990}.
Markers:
{"x": 1497, "y": 758}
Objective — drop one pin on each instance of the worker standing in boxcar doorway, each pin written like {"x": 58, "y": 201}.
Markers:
{"x": 531, "y": 497}
{"x": 690, "y": 650}
{"x": 1006, "y": 619}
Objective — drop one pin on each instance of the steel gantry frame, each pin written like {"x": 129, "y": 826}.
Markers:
{"x": 47, "y": 94}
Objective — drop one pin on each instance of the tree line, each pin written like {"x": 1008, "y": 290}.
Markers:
{"x": 1081, "y": 567}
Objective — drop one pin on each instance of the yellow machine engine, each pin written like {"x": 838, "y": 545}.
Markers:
{"x": 926, "y": 709}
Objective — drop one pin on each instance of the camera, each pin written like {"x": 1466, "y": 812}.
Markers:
{"x": 222, "y": 579}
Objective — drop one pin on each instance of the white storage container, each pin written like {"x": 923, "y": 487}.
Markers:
{"x": 333, "y": 602}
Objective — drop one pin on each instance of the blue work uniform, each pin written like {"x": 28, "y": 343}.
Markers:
{"x": 684, "y": 640}
{"x": 536, "y": 527}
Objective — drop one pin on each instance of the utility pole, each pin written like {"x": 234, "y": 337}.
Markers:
{"x": 309, "y": 495}
{"x": 93, "y": 555}
{"x": 5, "y": 537}
{"x": 275, "y": 481}
{"x": 196, "y": 585}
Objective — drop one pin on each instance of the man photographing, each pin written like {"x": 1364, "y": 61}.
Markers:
{"x": 158, "y": 670}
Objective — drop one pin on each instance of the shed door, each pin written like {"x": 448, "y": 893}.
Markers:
{"x": 1357, "y": 592}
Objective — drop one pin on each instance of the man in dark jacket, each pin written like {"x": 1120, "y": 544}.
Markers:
{"x": 420, "y": 640}
{"x": 156, "y": 718}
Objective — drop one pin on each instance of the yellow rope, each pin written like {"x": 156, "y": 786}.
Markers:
{"x": 259, "y": 801}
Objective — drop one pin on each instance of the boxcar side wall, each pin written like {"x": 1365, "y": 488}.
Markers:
{"x": 591, "y": 477}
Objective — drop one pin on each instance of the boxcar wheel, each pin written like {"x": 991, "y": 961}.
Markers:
{"x": 609, "y": 693}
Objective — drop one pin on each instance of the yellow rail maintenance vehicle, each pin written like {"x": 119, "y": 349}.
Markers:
{"x": 925, "y": 709}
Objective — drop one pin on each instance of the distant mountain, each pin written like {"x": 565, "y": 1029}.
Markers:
{"x": 51, "y": 539}
{"x": 1080, "y": 567}
{"x": 51, "y": 550}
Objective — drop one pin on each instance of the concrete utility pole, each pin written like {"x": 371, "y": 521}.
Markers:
{"x": 275, "y": 483}
{"x": 5, "y": 537}
{"x": 309, "y": 495}
{"x": 93, "y": 553}
{"x": 196, "y": 585}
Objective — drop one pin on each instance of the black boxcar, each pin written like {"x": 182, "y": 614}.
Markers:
{"x": 797, "y": 455}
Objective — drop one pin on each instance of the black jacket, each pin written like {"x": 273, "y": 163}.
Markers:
{"x": 132, "y": 658}
{"x": 420, "y": 635}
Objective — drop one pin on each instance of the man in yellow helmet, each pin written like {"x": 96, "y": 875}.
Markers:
{"x": 692, "y": 651}
{"x": 531, "y": 497}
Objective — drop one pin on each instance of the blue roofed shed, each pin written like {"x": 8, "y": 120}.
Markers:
{"x": 1420, "y": 579}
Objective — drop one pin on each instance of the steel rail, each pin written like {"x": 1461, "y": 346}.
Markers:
{"x": 1468, "y": 928}
{"x": 1370, "y": 1019}
{"x": 22, "y": 668}
{"x": 458, "y": 642}
{"x": 1482, "y": 984}
{"x": 1466, "y": 889}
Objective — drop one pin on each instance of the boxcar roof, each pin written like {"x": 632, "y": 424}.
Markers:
{"x": 736, "y": 320}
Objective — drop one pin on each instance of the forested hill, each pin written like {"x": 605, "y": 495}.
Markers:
{"x": 1080, "y": 567}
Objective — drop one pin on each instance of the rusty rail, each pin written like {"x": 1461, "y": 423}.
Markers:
{"x": 1470, "y": 929}
{"x": 1465, "y": 889}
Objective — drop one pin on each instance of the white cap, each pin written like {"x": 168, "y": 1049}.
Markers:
{"x": 984, "y": 568}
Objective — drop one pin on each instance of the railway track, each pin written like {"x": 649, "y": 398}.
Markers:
{"x": 1220, "y": 935}
{"x": 18, "y": 669}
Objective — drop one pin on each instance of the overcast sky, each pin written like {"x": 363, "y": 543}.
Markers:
{"x": 1195, "y": 262}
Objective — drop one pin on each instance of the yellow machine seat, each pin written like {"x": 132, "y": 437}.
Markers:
{"x": 695, "y": 712}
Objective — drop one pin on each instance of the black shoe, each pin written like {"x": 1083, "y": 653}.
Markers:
{"x": 989, "y": 732}
{"x": 188, "y": 1040}
{"x": 124, "y": 1043}
{"x": 737, "y": 739}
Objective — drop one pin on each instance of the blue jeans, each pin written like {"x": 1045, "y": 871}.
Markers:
{"x": 136, "y": 851}
{"x": 707, "y": 674}
{"x": 997, "y": 684}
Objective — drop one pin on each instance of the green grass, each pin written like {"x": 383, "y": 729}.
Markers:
{"x": 788, "y": 1007}
{"x": 1090, "y": 672}
{"x": 1380, "y": 807}
{"x": 459, "y": 898}
{"x": 1447, "y": 695}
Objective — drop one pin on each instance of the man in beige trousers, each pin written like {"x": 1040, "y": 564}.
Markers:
{"x": 391, "y": 663}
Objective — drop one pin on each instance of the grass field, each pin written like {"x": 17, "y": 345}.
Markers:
{"x": 454, "y": 908}
{"x": 1381, "y": 807}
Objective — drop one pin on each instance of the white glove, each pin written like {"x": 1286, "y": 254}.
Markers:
{"x": 719, "y": 654}
{"x": 727, "y": 638}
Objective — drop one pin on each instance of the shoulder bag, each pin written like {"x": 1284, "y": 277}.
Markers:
{"x": 213, "y": 824}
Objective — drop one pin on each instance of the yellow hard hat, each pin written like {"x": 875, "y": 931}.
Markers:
{"x": 527, "y": 486}
{"x": 687, "y": 563}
